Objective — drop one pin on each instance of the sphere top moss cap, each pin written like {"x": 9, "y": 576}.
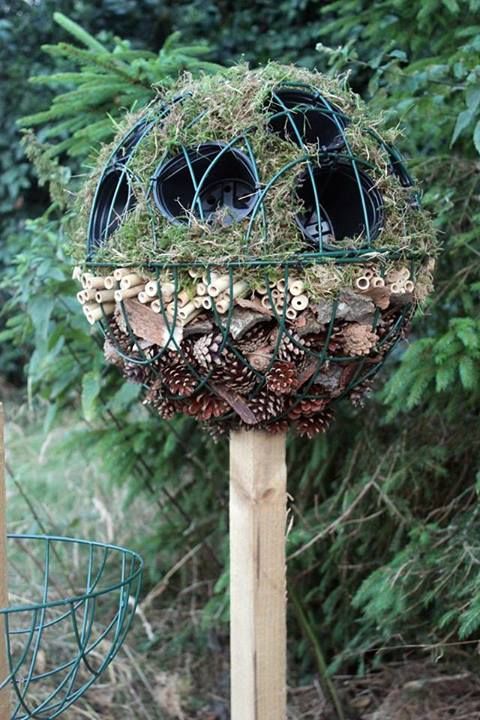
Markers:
{"x": 267, "y": 165}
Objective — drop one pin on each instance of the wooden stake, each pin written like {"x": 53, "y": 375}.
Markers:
{"x": 4, "y": 669}
{"x": 258, "y": 600}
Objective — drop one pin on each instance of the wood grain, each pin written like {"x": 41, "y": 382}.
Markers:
{"x": 258, "y": 576}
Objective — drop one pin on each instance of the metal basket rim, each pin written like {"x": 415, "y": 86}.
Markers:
{"x": 331, "y": 258}
{"x": 125, "y": 552}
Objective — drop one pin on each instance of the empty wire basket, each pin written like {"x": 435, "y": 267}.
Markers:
{"x": 71, "y": 606}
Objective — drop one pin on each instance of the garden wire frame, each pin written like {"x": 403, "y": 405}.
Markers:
{"x": 61, "y": 632}
{"x": 339, "y": 214}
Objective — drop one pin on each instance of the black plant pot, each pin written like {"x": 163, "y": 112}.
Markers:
{"x": 340, "y": 201}
{"x": 306, "y": 119}
{"x": 212, "y": 182}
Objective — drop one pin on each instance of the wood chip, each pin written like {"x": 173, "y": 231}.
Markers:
{"x": 352, "y": 306}
{"x": 151, "y": 326}
{"x": 254, "y": 305}
{"x": 243, "y": 320}
{"x": 236, "y": 402}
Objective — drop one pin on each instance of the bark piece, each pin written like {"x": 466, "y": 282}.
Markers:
{"x": 151, "y": 326}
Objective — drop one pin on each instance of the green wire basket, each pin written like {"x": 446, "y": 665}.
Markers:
{"x": 72, "y": 605}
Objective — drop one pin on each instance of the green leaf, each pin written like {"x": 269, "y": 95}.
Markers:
{"x": 476, "y": 137}
{"x": 90, "y": 391}
{"x": 78, "y": 32}
{"x": 463, "y": 121}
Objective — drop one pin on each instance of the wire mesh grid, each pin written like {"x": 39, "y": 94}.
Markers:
{"x": 257, "y": 357}
{"x": 72, "y": 603}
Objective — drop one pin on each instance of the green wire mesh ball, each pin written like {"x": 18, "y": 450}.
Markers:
{"x": 255, "y": 247}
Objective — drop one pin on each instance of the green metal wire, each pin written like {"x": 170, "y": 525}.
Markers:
{"x": 364, "y": 251}
{"x": 58, "y": 646}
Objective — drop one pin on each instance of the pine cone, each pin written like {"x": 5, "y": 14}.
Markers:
{"x": 139, "y": 373}
{"x": 234, "y": 373}
{"x": 206, "y": 349}
{"x": 291, "y": 348}
{"x": 266, "y": 405}
{"x": 156, "y": 399}
{"x": 281, "y": 377}
{"x": 120, "y": 339}
{"x": 360, "y": 393}
{"x": 179, "y": 380}
{"x": 310, "y": 426}
{"x": 205, "y": 406}
{"x": 217, "y": 430}
{"x": 257, "y": 337}
{"x": 277, "y": 426}
{"x": 309, "y": 406}
{"x": 357, "y": 339}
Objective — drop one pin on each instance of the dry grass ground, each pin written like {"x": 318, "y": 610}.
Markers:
{"x": 171, "y": 667}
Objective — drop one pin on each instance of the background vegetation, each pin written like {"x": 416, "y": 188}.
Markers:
{"x": 385, "y": 542}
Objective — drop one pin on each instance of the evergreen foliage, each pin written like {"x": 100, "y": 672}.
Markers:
{"x": 384, "y": 546}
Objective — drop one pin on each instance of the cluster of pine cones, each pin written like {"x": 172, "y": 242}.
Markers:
{"x": 266, "y": 379}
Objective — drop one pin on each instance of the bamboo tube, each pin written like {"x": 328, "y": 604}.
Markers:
{"x": 104, "y": 295}
{"x": 291, "y": 314}
{"x": 299, "y": 302}
{"x": 405, "y": 273}
{"x": 143, "y": 297}
{"x": 362, "y": 283}
{"x": 110, "y": 282}
{"x": 377, "y": 281}
{"x": 275, "y": 294}
{"x": 131, "y": 280}
{"x": 185, "y": 310}
{"x": 183, "y": 298}
{"x": 167, "y": 289}
{"x": 120, "y": 295}
{"x": 219, "y": 285}
{"x": 97, "y": 311}
{"x": 262, "y": 289}
{"x": 84, "y": 279}
{"x": 396, "y": 288}
{"x": 213, "y": 276}
{"x": 77, "y": 274}
{"x": 296, "y": 287}
{"x": 258, "y": 593}
{"x": 119, "y": 273}
{"x": 84, "y": 296}
{"x": 266, "y": 302}
{"x": 188, "y": 317}
{"x": 207, "y": 303}
{"x": 239, "y": 289}
{"x": 281, "y": 285}
{"x": 195, "y": 273}
{"x": 197, "y": 301}
{"x": 409, "y": 286}
{"x": 95, "y": 282}
{"x": 156, "y": 306}
{"x": 151, "y": 288}
{"x": 368, "y": 273}
{"x": 4, "y": 665}
{"x": 201, "y": 289}
{"x": 223, "y": 304}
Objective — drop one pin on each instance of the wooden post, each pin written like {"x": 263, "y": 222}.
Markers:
{"x": 258, "y": 599}
{"x": 4, "y": 669}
